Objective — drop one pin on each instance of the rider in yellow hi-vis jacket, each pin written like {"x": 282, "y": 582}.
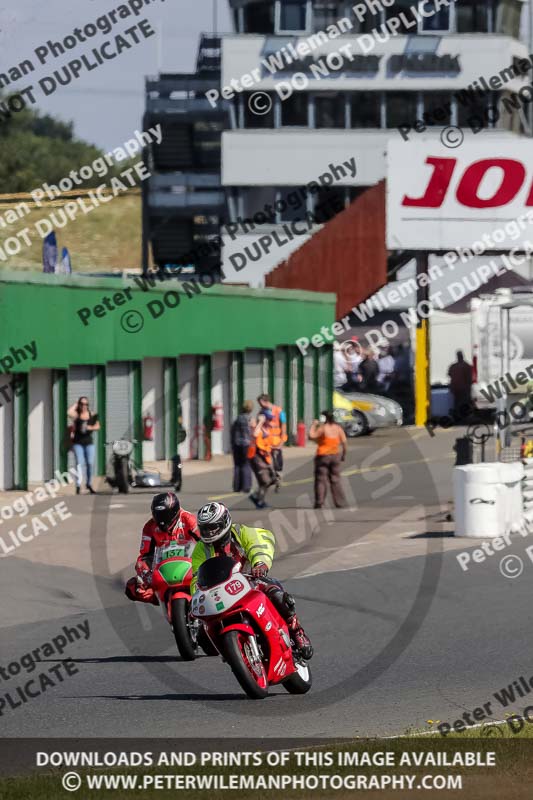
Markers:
{"x": 253, "y": 545}
{"x": 249, "y": 546}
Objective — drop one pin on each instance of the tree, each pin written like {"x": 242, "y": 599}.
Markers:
{"x": 37, "y": 149}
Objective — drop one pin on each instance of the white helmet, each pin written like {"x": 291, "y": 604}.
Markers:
{"x": 214, "y": 522}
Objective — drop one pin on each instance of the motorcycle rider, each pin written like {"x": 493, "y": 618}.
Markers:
{"x": 253, "y": 547}
{"x": 169, "y": 523}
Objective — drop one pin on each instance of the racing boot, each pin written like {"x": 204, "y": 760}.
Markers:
{"x": 300, "y": 639}
{"x": 285, "y": 604}
{"x": 298, "y": 635}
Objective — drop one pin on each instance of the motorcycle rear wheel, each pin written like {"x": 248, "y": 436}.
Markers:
{"x": 300, "y": 681}
{"x": 255, "y": 686}
{"x": 179, "y": 614}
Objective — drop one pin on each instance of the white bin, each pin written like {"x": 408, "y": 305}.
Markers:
{"x": 511, "y": 476}
{"x": 480, "y": 496}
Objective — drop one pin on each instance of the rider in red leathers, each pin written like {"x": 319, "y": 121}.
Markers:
{"x": 169, "y": 523}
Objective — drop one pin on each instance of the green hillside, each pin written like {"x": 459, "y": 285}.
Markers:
{"x": 108, "y": 238}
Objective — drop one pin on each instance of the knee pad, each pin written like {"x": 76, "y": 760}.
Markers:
{"x": 289, "y": 600}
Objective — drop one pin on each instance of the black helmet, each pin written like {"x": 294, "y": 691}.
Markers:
{"x": 165, "y": 510}
{"x": 214, "y": 524}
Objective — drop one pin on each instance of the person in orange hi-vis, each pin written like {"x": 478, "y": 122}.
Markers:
{"x": 262, "y": 464}
{"x": 278, "y": 433}
{"x": 331, "y": 451}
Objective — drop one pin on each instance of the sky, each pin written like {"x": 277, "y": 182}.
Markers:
{"x": 106, "y": 104}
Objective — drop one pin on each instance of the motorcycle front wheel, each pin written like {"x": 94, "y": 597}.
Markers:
{"x": 121, "y": 476}
{"x": 250, "y": 674}
{"x": 300, "y": 681}
{"x": 179, "y": 616}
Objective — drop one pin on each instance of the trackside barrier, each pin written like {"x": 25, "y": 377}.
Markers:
{"x": 527, "y": 491}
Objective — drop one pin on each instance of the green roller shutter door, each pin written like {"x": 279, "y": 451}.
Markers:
{"x": 81, "y": 382}
{"x": 253, "y": 375}
{"x": 119, "y": 401}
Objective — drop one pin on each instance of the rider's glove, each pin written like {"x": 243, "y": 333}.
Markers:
{"x": 260, "y": 571}
{"x": 144, "y": 575}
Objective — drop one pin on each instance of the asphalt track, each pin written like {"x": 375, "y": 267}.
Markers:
{"x": 401, "y": 634}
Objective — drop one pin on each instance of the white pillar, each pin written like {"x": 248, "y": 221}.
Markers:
{"x": 221, "y": 395}
{"x": 188, "y": 394}
{"x": 153, "y": 404}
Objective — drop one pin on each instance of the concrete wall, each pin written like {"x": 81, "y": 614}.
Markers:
{"x": 6, "y": 432}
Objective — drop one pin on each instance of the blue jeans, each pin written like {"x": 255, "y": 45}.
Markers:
{"x": 85, "y": 456}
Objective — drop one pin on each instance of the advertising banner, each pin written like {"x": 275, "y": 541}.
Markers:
{"x": 439, "y": 198}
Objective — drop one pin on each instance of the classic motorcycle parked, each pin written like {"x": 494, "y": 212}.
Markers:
{"x": 121, "y": 465}
{"x": 125, "y": 474}
{"x": 247, "y": 630}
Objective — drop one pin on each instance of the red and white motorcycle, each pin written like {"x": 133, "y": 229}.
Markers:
{"x": 247, "y": 630}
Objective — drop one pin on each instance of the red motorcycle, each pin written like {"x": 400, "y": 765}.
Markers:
{"x": 171, "y": 579}
{"x": 247, "y": 630}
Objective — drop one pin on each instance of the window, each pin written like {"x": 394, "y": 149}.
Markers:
{"x": 329, "y": 201}
{"x": 440, "y": 21}
{"x": 401, "y": 108}
{"x": 407, "y": 21}
{"x": 479, "y": 113}
{"x": 326, "y": 12}
{"x": 294, "y": 110}
{"x": 508, "y": 17}
{"x": 366, "y": 110}
{"x": 262, "y": 116}
{"x": 329, "y": 110}
{"x": 291, "y": 16}
{"x": 368, "y": 22}
{"x": 291, "y": 203}
{"x": 259, "y": 18}
{"x": 437, "y": 108}
{"x": 473, "y": 16}
{"x": 355, "y": 191}
{"x": 258, "y": 202}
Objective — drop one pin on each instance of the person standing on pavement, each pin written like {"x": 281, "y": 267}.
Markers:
{"x": 330, "y": 453}
{"x": 369, "y": 372}
{"x": 352, "y": 350}
{"x": 386, "y": 369}
{"x": 84, "y": 424}
{"x": 461, "y": 377}
{"x": 241, "y": 439}
{"x": 340, "y": 367}
{"x": 277, "y": 431}
{"x": 262, "y": 464}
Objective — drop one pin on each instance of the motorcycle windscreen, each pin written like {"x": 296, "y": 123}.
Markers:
{"x": 214, "y": 571}
{"x": 174, "y": 571}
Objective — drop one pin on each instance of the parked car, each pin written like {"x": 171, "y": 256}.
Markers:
{"x": 360, "y": 414}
